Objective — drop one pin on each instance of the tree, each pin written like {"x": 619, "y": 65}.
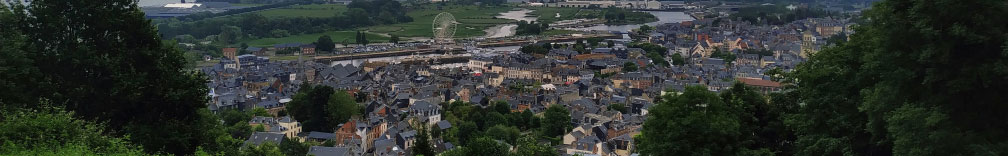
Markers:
{"x": 629, "y": 67}
{"x": 259, "y": 111}
{"x": 726, "y": 55}
{"x": 105, "y": 62}
{"x": 53, "y": 130}
{"x": 529, "y": 146}
{"x": 394, "y": 39}
{"x": 325, "y": 43}
{"x": 341, "y": 107}
{"x": 486, "y": 146}
{"x": 507, "y": 134}
{"x": 260, "y": 128}
{"x": 617, "y": 107}
{"x": 422, "y": 145}
{"x": 920, "y": 78}
{"x": 309, "y": 106}
{"x": 464, "y": 131}
{"x": 279, "y": 33}
{"x": 361, "y": 38}
{"x": 556, "y": 122}
{"x": 644, "y": 29}
{"x": 493, "y": 119}
{"x": 229, "y": 34}
{"x": 264, "y": 149}
{"x": 293, "y": 147}
{"x": 696, "y": 122}
{"x": 678, "y": 59}
{"x": 502, "y": 107}
{"x": 320, "y": 108}
{"x": 534, "y": 49}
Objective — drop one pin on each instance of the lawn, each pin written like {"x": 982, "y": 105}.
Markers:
{"x": 473, "y": 20}
{"x": 548, "y": 14}
{"x": 246, "y": 4}
{"x": 337, "y": 36}
{"x": 312, "y": 10}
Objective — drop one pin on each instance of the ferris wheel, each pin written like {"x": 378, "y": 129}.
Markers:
{"x": 444, "y": 26}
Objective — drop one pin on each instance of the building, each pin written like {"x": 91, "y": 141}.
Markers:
{"x": 764, "y": 86}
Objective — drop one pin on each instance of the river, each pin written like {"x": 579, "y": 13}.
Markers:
{"x": 505, "y": 30}
{"x": 158, "y": 2}
{"x": 663, "y": 17}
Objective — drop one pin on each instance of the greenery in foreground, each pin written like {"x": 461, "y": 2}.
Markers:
{"x": 917, "y": 79}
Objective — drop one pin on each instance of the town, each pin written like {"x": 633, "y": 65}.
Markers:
{"x": 604, "y": 85}
{"x": 503, "y": 77}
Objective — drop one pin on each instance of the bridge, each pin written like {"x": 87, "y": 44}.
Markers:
{"x": 402, "y": 52}
{"x": 447, "y": 49}
{"x": 551, "y": 39}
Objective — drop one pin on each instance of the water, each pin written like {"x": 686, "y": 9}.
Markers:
{"x": 663, "y": 17}
{"x": 158, "y": 2}
{"x": 506, "y": 30}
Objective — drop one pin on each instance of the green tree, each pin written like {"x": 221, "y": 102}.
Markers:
{"x": 309, "y": 106}
{"x": 486, "y": 146}
{"x": 629, "y": 67}
{"x": 321, "y": 108}
{"x": 325, "y": 43}
{"x": 508, "y": 134}
{"x": 104, "y": 61}
{"x": 556, "y": 121}
{"x": 294, "y": 147}
{"x": 502, "y": 107}
{"x": 229, "y": 34}
{"x": 394, "y": 38}
{"x": 52, "y": 130}
{"x": 920, "y": 78}
{"x": 264, "y": 149}
{"x": 617, "y": 107}
{"x": 260, "y": 128}
{"x": 529, "y": 146}
{"x": 696, "y": 122}
{"x": 259, "y": 111}
{"x": 644, "y": 29}
{"x": 493, "y": 119}
{"x": 422, "y": 145}
{"x": 678, "y": 59}
{"x": 361, "y": 38}
{"x": 341, "y": 107}
{"x": 463, "y": 131}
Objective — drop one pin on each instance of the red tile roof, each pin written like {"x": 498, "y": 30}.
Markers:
{"x": 759, "y": 82}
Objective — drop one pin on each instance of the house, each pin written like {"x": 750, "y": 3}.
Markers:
{"x": 426, "y": 112}
{"x": 229, "y": 53}
{"x": 328, "y": 151}
{"x": 259, "y": 138}
{"x": 308, "y": 50}
{"x": 256, "y": 51}
{"x": 764, "y": 86}
{"x": 319, "y": 136}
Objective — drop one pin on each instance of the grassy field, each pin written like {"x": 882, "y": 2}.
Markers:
{"x": 245, "y": 4}
{"x": 548, "y": 14}
{"x": 337, "y": 36}
{"x": 473, "y": 20}
{"x": 313, "y": 10}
